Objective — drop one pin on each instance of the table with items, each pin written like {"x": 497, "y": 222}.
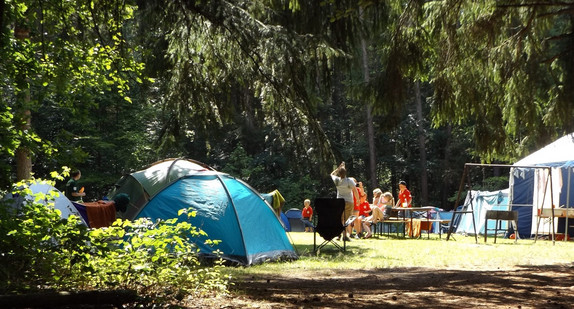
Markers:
{"x": 414, "y": 220}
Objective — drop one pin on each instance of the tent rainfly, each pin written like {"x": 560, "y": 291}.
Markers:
{"x": 227, "y": 209}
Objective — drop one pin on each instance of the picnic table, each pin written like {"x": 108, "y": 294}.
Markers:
{"x": 414, "y": 221}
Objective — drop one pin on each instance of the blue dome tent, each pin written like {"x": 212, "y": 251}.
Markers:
{"x": 227, "y": 209}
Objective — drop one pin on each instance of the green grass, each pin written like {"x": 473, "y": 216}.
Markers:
{"x": 459, "y": 252}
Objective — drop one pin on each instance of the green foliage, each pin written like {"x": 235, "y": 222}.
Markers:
{"x": 503, "y": 67}
{"x": 297, "y": 189}
{"x": 230, "y": 58}
{"x": 494, "y": 183}
{"x": 39, "y": 250}
{"x": 62, "y": 56}
{"x": 112, "y": 141}
{"x": 274, "y": 92}
{"x": 270, "y": 173}
{"x": 8, "y": 142}
{"x": 241, "y": 165}
{"x": 156, "y": 259}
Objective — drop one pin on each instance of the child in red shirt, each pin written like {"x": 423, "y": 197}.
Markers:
{"x": 405, "y": 197}
{"x": 307, "y": 214}
{"x": 364, "y": 208}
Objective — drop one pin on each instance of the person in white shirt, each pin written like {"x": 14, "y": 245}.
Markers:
{"x": 346, "y": 189}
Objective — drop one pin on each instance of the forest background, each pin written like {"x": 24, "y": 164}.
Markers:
{"x": 278, "y": 92}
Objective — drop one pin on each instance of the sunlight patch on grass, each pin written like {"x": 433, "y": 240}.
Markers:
{"x": 385, "y": 252}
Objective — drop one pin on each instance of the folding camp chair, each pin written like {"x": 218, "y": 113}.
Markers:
{"x": 329, "y": 224}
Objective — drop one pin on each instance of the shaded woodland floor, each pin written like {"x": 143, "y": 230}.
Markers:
{"x": 520, "y": 287}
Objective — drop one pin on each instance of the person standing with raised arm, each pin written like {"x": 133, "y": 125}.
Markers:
{"x": 346, "y": 189}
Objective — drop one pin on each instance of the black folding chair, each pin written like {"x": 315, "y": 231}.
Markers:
{"x": 329, "y": 212}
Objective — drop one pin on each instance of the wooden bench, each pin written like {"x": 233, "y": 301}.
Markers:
{"x": 392, "y": 221}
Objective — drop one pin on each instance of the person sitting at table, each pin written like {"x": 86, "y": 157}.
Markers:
{"x": 379, "y": 212}
{"x": 376, "y": 212}
{"x": 377, "y": 195}
{"x": 386, "y": 204}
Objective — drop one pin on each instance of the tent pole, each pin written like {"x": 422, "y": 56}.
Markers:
{"x": 538, "y": 207}
{"x": 511, "y": 197}
{"x": 450, "y": 228}
{"x": 552, "y": 209}
{"x": 247, "y": 256}
{"x": 465, "y": 175}
{"x": 567, "y": 205}
{"x": 472, "y": 210}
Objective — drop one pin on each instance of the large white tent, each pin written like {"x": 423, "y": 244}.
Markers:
{"x": 541, "y": 179}
{"x": 559, "y": 151}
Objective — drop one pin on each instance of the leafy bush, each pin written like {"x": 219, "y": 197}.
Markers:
{"x": 37, "y": 247}
{"x": 39, "y": 251}
{"x": 156, "y": 259}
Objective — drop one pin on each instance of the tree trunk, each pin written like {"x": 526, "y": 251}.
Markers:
{"x": 422, "y": 145}
{"x": 372, "y": 166}
{"x": 446, "y": 180}
{"x": 23, "y": 121}
{"x": 23, "y": 158}
{"x": 2, "y": 8}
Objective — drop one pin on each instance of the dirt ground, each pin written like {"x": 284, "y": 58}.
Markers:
{"x": 522, "y": 287}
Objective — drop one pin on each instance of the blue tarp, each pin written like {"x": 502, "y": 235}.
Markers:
{"x": 293, "y": 213}
{"x": 442, "y": 215}
{"x": 481, "y": 201}
{"x": 523, "y": 191}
